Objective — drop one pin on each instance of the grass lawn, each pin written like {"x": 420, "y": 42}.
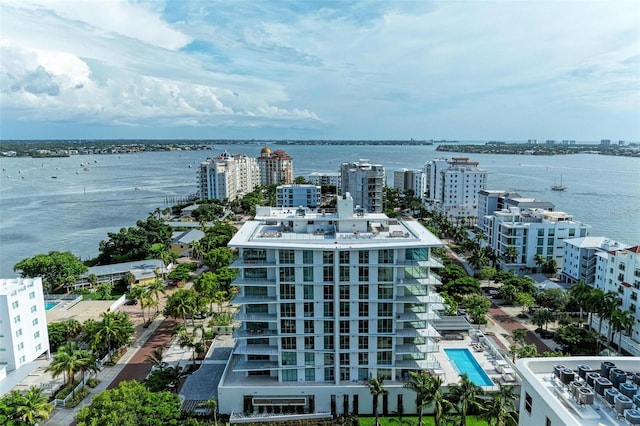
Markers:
{"x": 413, "y": 420}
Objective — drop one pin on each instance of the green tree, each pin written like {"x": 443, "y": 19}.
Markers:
{"x": 156, "y": 358}
{"x": 32, "y": 406}
{"x": 70, "y": 359}
{"x": 487, "y": 273}
{"x": 478, "y": 307}
{"x": 500, "y": 410}
{"x": 139, "y": 294}
{"x": 555, "y": 299}
{"x": 542, "y": 317}
{"x": 113, "y": 330}
{"x": 166, "y": 379}
{"x": 207, "y": 285}
{"x": 621, "y": 321}
{"x": 376, "y": 388}
{"x": 519, "y": 335}
{"x": 155, "y": 289}
{"x": 461, "y": 287}
{"x": 131, "y": 404}
{"x": 55, "y": 268}
{"x": 508, "y": 293}
{"x": 104, "y": 290}
{"x": 425, "y": 386}
{"x": 466, "y": 397}
{"x": 182, "y": 303}
{"x": 510, "y": 254}
{"x": 218, "y": 257}
{"x": 580, "y": 293}
{"x": 93, "y": 280}
{"x": 212, "y": 405}
{"x": 524, "y": 300}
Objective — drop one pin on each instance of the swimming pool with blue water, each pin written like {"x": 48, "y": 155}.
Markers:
{"x": 464, "y": 362}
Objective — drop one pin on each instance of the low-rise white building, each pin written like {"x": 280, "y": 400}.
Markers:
{"x": 298, "y": 195}
{"x": 579, "y": 262}
{"x": 325, "y": 178}
{"x": 23, "y": 323}
{"x": 579, "y": 391}
{"x": 530, "y": 232}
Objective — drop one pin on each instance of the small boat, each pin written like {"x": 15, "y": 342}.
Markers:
{"x": 54, "y": 177}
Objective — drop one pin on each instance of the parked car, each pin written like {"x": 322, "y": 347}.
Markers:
{"x": 547, "y": 334}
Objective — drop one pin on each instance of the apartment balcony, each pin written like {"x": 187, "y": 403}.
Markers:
{"x": 259, "y": 282}
{"x": 416, "y": 298}
{"x": 413, "y": 349}
{"x": 416, "y": 316}
{"x": 243, "y": 333}
{"x": 418, "y": 364}
{"x": 244, "y": 365}
{"x": 430, "y": 279}
{"x": 408, "y": 331}
{"x": 252, "y": 300}
{"x": 251, "y": 263}
{"x": 256, "y": 317}
{"x": 242, "y": 348}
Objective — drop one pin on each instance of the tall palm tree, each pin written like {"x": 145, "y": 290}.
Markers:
{"x": 155, "y": 289}
{"x": 500, "y": 409}
{"x": 212, "y": 404}
{"x": 156, "y": 358}
{"x": 33, "y": 406}
{"x": 376, "y": 387}
{"x": 113, "y": 330}
{"x": 621, "y": 321}
{"x": 510, "y": 254}
{"x": 605, "y": 309}
{"x": 419, "y": 383}
{"x": 65, "y": 362}
{"x": 138, "y": 293}
{"x": 580, "y": 292}
{"x": 465, "y": 396}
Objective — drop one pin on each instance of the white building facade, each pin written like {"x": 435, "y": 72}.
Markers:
{"x": 325, "y": 178}
{"x": 622, "y": 276}
{"x": 228, "y": 176}
{"x": 365, "y": 182}
{"x": 409, "y": 180}
{"x": 23, "y": 323}
{"x": 452, "y": 186}
{"x": 530, "y": 232}
{"x": 298, "y": 195}
{"x": 579, "y": 262}
{"x": 328, "y": 301}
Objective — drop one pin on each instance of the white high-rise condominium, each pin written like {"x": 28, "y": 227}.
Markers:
{"x": 365, "y": 182}
{"x": 452, "y": 186}
{"x": 23, "y": 323}
{"x": 228, "y": 176}
{"x": 328, "y": 301}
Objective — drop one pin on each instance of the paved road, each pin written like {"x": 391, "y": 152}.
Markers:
{"x": 509, "y": 323}
{"x": 137, "y": 368}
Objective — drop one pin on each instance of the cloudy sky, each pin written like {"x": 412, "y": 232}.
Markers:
{"x": 507, "y": 70}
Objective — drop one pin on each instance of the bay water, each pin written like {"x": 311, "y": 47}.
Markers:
{"x": 71, "y": 203}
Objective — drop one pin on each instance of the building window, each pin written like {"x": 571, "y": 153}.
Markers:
{"x": 327, "y": 274}
{"x": 288, "y": 326}
{"x": 307, "y": 274}
{"x": 385, "y": 309}
{"x": 528, "y": 402}
{"x": 363, "y": 273}
{"x": 307, "y": 257}
{"x": 328, "y": 327}
{"x": 363, "y": 257}
{"x": 363, "y": 358}
{"x": 309, "y": 342}
{"x": 327, "y": 292}
{"x": 34, "y": 321}
{"x": 363, "y": 342}
{"x": 345, "y": 277}
{"x": 287, "y": 291}
{"x": 289, "y": 358}
{"x": 309, "y": 358}
{"x": 344, "y": 309}
{"x": 385, "y": 325}
{"x": 329, "y": 374}
{"x": 363, "y": 326}
{"x": 19, "y": 332}
{"x": 344, "y": 374}
{"x": 309, "y": 375}
{"x": 385, "y": 291}
{"x": 344, "y": 327}
{"x": 384, "y": 358}
{"x": 308, "y": 309}
{"x": 287, "y": 274}
{"x": 15, "y": 305}
{"x": 288, "y": 310}
{"x": 385, "y": 274}
{"x": 547, "y": 422}
{"x": 16, "y": 319}
{"x": 308, "y": 326}
{"x": 328, "y": 342}
{"x": 344, "y": 359}
{"x": 385, "y": 342}
{"x": 363, "y": 309}
{"x": 327, "y": 257}
{"x": 34, "y": 308}
{"x": 308, "y": 292}
{"x": 287, "y": 256}
{"x": 36, "y": 335}
{"x": 328, "y": 309}
{"x": 385, "y": 256}
{"x": 32, "y": 295}
{"x": 344, "y": 257}
{"x": 20, "y": 346}
{"x": 38, "y": 347}
{"x": 289, "y": 375}
{"x": 289, "y": 343}
{"x": 344, "y": 342}
{"x": 363, "y": 292}
{"x": 344, "y": 292}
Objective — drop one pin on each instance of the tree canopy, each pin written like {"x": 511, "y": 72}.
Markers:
{"x": 56, "y": 268}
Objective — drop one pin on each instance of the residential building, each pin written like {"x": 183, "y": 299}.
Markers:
{"x": 579, "y": 262}
{"x": 327, "y": 301}
{"x": 182, "y": 242}
{"x": 23, "y": 323}
{"x": 517, "y": 236}
{"x": 228, "y": 176}
{"x": 579, "y": 391}
{"x": 452, "y": 186}
{"x": 298, "y": 195}
{"x": 275, "y": 167}
{"x": 490, "y": 201}
{"x": 144, "y": 272}
{"x": 365, "y": 182}
{"x": 409, "y": 180}
{"x": 325, "y": 178}
{"x": 622, "y": 276}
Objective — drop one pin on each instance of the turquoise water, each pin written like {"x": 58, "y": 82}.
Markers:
{"x": 50, "y": 305}
{"x": 464, "y": 362}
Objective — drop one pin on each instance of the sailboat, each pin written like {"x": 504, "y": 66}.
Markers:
{"x": 558, "y": 187}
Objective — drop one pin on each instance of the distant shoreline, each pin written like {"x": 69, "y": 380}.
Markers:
{"x": 66, "y": 148}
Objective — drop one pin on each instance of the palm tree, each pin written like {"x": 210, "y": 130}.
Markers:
{"x": 33, "y": 406}
{"x": 138, "y": 293}
{"x": 539, "y": 260}
{"x": 155, "y": 289}
{"x": 86, "y": 362}
{"x": 65, "y": 362}
{"x": 605, "y": 309}
{"x": 519, "y": 335}
{"x": 129, "y": 279}
{"x": 542, "y": 318}
{"x": 580, "y": 293}
{"x": 465, "y": 395}
{"x": 212, "y": 404}
{"x": 510, "y": 254}
{"x": 500, "y": 410}
{"x": 376, "y": 387}
{"x": 621, "y": 321}
{"x": 156, "y": 358}
{"x": 114, "y": 329}
{"x": 93, "y": 280}
{"x": 419, "y": 382}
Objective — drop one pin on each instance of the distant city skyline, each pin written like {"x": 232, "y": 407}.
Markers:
{"x": 378, "y": 70}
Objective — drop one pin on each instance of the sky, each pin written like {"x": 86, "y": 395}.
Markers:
{"x": 247, "y": 69}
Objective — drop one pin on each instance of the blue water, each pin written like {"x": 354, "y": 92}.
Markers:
{"x": 50, "y": 305}
{"x": 75, "y": 210}
{"x": 464, "y": 362}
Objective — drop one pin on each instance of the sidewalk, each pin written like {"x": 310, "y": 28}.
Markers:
{"x": 62, "y": 416}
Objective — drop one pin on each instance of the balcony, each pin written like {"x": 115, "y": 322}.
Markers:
{"x": 256, "y": 317}
{"x": 252, "y": 300}
{"x": 416, "y": 316}
{"x": 242, "y": 348}
{"x": 413, "y": 349}
{"x": 242, "y": 333}
{"x": 251, "y": 263}
{"x": 244, "y": 365}
{"x": 408, "y": 331}
{"x": 260, "y": 282}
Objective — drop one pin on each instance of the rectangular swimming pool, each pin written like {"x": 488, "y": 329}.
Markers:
{"x": 464, "y": 362}
{"x": 50, "y": 304}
